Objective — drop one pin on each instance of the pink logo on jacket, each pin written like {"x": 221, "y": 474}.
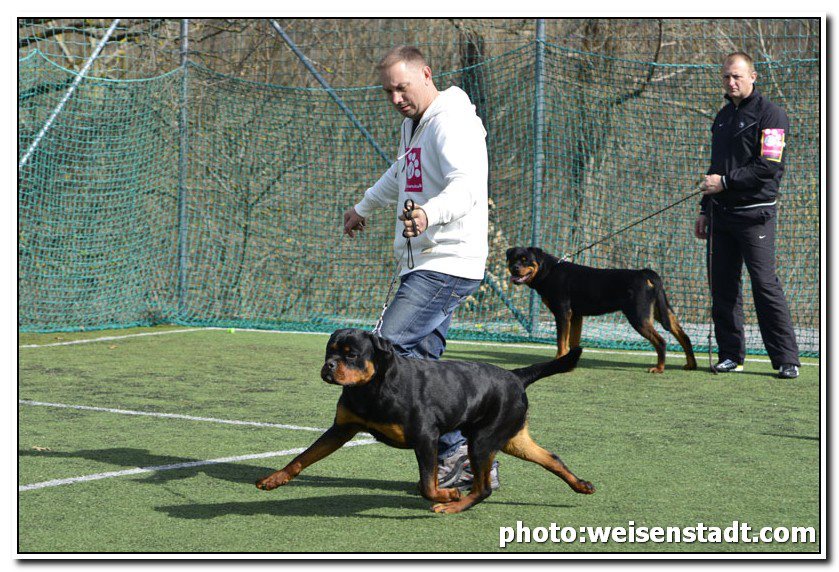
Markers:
{"x": 413, "y": 170}
{"x": 772, "y": 144}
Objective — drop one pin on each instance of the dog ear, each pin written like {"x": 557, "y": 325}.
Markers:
{"x": 569, "y": 360}
{"x": 334, "y": 335}
{"x": 536, "y": 250}
{"x": 337, "y": 333}
{"x": 510, "y": 252}
{"x": 380, "y": 344}
{"x": 384, "y": 352}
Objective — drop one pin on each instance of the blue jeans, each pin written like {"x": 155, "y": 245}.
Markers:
{"x": 417, "y": 319}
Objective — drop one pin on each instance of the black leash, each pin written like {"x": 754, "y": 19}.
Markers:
{"x": 710, "y": 284}
{"x": 409, "y": 211}
{"x": 636, "y": 223}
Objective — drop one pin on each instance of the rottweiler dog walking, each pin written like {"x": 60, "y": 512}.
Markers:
{"x": 408, "y": 403}
{"x": 572, "y": 291}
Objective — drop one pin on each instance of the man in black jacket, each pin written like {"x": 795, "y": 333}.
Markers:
{"x": 738, "y": 210}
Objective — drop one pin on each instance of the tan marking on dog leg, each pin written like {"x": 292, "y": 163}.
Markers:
{"x": 683, "y": 339}
{"x": 524, "y": 447}
{"x": 576, "y": 332}
{"x": 326, "y": 444}
{"x": 434, "y": 493}
{"x": 648, "y": 331}
{"x": 563, "y": 334}
{"x": 481, "y": 489}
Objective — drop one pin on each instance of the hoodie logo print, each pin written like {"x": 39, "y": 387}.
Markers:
{"x": 413, "y": 171}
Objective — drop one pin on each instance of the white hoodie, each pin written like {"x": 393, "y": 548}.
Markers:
{"x": 443, "y": 168}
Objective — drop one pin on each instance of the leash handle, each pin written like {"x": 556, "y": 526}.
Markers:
{"x": 409, "y": 215}
{"x": 409, "y": 212}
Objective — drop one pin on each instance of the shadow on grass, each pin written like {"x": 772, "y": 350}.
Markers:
{"x": 339, "y": 505}
{"x": 509, "y": 360}
{"x": 399, "y": 494}
{"x": 162, "y": 471}
{"x": 800, "y": 437}
{"x": 675, "y": 366}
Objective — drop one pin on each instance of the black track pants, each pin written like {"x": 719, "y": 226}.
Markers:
{"x": 748, "y": 236}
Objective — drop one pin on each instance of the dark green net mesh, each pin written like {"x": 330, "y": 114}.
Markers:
{"x": 130, "y": 216}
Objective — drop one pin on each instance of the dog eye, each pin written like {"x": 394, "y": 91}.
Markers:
{"x": 352, "y": 355}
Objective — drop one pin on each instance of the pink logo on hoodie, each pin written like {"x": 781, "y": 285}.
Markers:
{"x": 413, "y": 170}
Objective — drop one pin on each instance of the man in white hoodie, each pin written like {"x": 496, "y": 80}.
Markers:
{"x": 442, "y": 168}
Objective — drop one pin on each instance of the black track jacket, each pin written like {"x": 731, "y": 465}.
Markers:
{"x": 747, "y": 150}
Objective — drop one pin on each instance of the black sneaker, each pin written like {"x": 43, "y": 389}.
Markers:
{"x": 728, "y": 365}
{"x": 788, "y": 371}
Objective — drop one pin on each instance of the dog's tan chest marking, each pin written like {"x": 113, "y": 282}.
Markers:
{"x": 393, "y": 432}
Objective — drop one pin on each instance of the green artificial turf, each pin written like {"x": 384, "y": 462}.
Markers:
{"x": 671, "y": 450}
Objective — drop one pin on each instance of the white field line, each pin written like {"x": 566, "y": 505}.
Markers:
{"x": 108, "y": 338}
{"x": 170, "y": 416}
{"x": 57, "y": 482}
{"x": 455, "y": 342}
{"x": 172, "y": 467}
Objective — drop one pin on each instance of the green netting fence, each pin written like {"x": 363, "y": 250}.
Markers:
{"x": 204, "y": 198}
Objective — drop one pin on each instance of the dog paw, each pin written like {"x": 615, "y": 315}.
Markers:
{"x": 449, "y": 507}
{"x": 583, "y": 487}
{"x": 656, "y": 369}
{"x": 689, "y": 366}
{"x": 448, "y": 495}
{"x": 440, "y": 495}
{"x": 273, "y": 481}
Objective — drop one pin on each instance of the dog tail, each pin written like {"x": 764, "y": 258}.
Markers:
{"x": 537, "y": 371}
{"x": 661, "y": 303}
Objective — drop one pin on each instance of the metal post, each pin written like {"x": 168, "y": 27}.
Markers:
{"x": 538, "y": 157}
{"x": 329, "y": 89}
{"x": 67, "y": 95}
{"x": 183, "y": 154}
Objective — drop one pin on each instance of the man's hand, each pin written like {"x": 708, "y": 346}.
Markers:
{"x": 353, "y": 222}
{"x": 419, "y": 217}
{"x": 700, "y": 227}
{"x": 711, "y": 185}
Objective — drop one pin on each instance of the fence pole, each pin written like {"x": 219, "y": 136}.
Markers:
{"x": 328, "y": 88}
{"x": 538, "y": 157}
{"x": 183, "y": 153}
{"x": 67, "y": 95}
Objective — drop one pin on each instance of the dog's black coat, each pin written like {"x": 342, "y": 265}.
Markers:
{"x": 572, "y": 291}
{"x": 409, "y": 403}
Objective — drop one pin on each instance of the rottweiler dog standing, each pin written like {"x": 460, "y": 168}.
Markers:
{"x": 572, "y": 291}
{"x": 408, "y": 403}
